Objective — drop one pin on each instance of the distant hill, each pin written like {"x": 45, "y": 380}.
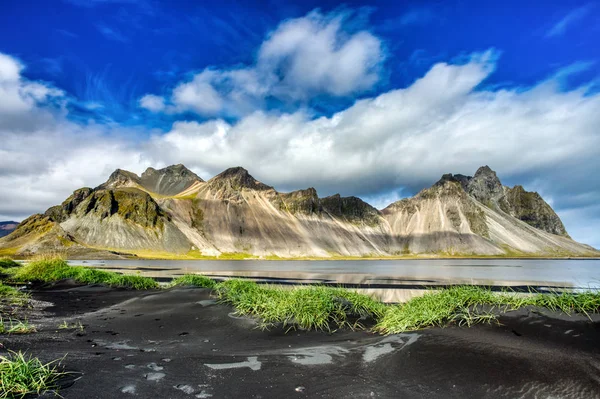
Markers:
{"x": 7, "y": 227}
{"x": 173, "y": 211}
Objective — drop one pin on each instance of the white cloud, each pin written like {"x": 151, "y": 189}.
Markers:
{"x": 152, "y": 103}
{"x": 19, "y": 96}
{"x": 302, "y": 58}
{"x": 314, "y": 54}
{"x": 43, "y": 156}
{"x": 443, "y": 122}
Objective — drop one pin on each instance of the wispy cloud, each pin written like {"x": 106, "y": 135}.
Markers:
{"x": 415, "y": 16}
{"x": 67, "y": 33}
{"x": 559, "y": 28}
{"x": 111, "y": 33}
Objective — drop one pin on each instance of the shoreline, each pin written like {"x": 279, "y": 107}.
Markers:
{"x": 180, "y": 343}
{"x": 333, "y": 259}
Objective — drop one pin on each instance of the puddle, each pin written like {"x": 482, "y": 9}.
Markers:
{"x": 316, "y": 355}
{"x": 185, "y": 388}
{"x": 388, "y": 345}
{"x": 155, "y": 376}
{"x": 252, "y": 363}
{"x": 123, "y": 345}
{"x": 128, "y": 389}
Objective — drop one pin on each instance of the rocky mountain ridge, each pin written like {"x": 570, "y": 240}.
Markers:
{"x": 174, "y": 211}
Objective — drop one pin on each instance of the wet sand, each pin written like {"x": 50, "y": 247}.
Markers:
{"x": 179, "y": 343}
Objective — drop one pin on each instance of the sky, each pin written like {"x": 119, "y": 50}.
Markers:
{"x": 372, "y": 99}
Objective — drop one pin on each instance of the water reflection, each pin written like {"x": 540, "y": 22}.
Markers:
{"x": 578, "y": 274}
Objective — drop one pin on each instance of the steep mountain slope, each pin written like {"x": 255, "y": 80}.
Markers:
{"x": 172, "y": 210}
{"x": 7, "y": 227}
{"x": 478, "y": 215}
{"x": 233, "y": 212}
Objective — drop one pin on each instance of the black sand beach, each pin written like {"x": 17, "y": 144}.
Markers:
{"x": 179, "y": 343}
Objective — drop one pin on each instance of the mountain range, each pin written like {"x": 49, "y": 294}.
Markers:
{"x": 174, "y": 212}
{"x": 7, "y": 227}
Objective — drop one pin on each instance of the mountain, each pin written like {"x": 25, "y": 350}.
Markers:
{"x": 7, "y": 227}
{"x": 173, "y": 211}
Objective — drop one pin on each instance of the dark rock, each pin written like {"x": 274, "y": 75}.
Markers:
{"x": 485, "y": 186}
{"x": 531, "y": 208}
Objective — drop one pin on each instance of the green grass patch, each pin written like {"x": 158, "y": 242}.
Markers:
{"x": 74, "y": 326}
{"x": 12, "y": 296}
{"x": 468, "y": 305}
{"x": 22, "y": 375}
{"x": 8, "y": 266}
{"x": 194, "y": 280}
{"x": 314, "y": 307}
{"x": 55, "y": 269}
{"x": 16, "y": 327}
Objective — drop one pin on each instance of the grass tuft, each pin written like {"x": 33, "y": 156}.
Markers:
{"x": 22, "y": 376}
{"x": 8, "y": 266}
{"x": 466, "y": 305}
{"x": 16, "y": 327}
{"x": 194, "y": 280}
{"x": 55, "y": 269}
{"x": 75, "y": 326}
{"x": 313, "y": 307}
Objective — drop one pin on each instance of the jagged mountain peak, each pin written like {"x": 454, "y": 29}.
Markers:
{"x": 237, "y": 178}
{"x": 166, "y": 181}
{"x": 485, "y": 186}
{"x": 458, "y": 178}
{"x": 120, "y": 178}
{"x": 170, "y": 180}
{"x": 178, "y": 169}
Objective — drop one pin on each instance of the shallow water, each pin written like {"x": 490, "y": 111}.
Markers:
{"x": 581, "y": 274}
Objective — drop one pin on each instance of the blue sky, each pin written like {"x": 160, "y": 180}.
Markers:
{"x": 297, "y": 92}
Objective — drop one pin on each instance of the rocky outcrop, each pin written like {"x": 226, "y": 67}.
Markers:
{"x": 532, "y": 209}
{"x": 172, "y": 210}
{"x": 485, "y": 186}
{"x": 351, "y": 209}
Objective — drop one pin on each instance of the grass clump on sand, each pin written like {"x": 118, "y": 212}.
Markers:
{"x": 16, "y": 327}
{"x": 12, "y": 296}
{"x": 54, "y": 269}
{"x": 22, "y": 376}
{"x": 314, "y": 307}
{"x": 468, "y": 305}
{"x": 194, "y": 280}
